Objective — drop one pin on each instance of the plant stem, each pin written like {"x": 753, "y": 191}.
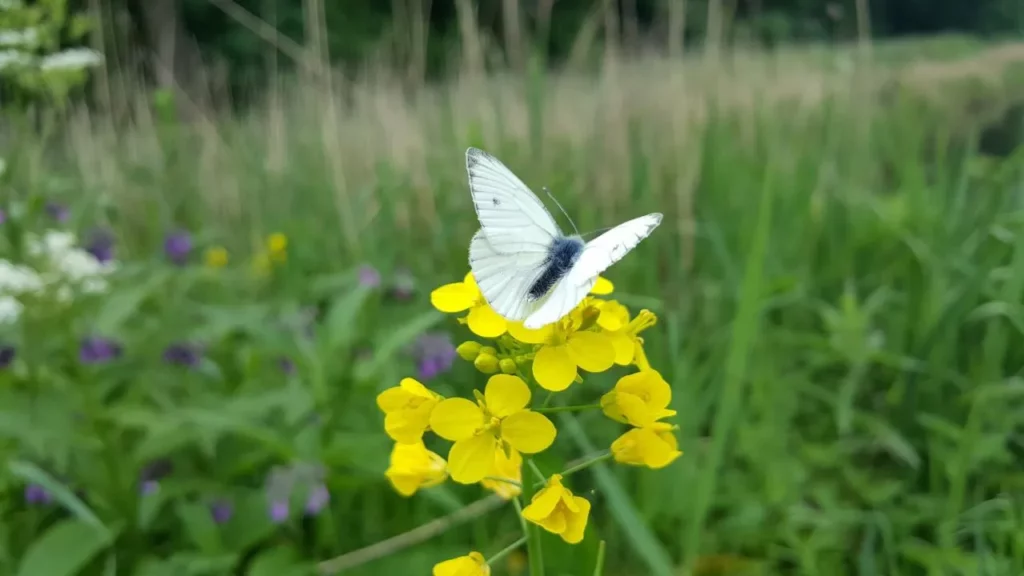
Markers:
{"x": 587, "y": 464}
{"x": 577, "y": 408}
{"x": 599, "y": 567}
{"x": 506, "y": 551}
{"x": 533, "y": 546}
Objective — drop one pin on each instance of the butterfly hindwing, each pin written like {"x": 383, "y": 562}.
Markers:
{"x": 512, "y": 218}
{"x": 505, "y": 279}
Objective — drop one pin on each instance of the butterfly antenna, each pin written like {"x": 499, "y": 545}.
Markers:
{"x": 557, "y": 203}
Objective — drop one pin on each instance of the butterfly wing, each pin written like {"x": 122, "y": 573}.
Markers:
{"x": 505, "y": 279}
{"x": 597, "y": 256}
{"x": 512, "y": 218}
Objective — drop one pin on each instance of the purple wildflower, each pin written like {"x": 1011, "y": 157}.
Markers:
{"x": 101, "y": 245}
{"x": 177, "y": 246}
{"x": 152, "y": 473}
{"x": 435, "y": 353}
{"x": 369, "y": 277}
{"x": 286, "y": 365}
{"x": 36, "y": 494}
{"x": 6, "y": 355}
{"x": 97, "y": 350}
{"x": 57, "y": 211}
{"x": 221, "y": 511}
{"x": 278, "y": 511}
{"x": 317, "y": 499}
{"x": 183, "y": 354}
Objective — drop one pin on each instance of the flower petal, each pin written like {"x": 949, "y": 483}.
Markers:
{"x": 649, "y": 385}
{"x": 614, "y": 316}
{"x": 415, "y": 388}
{"x": 485, "y": 322}
{"x": 529, "y": 432}
{"x": 625, "y": 347}
{"x": 454, "y": 297}
{"x": 553, "y": 368}
{"x": 506, "y": 394}
{"x": 602, "y": 286}
{"x": 576, "y": 523}
{"x": 471, "y": 459}
{"x": 407, "y": 426}
{"x": 456, "y": 419}
{"x": 591, "y": 351}
{"x": 392, "y": 399}
{"x": 471, "y": 565}
{"x": 554, "y": 522}
{"x": 544, "y": 502}
{"x": 528, "y": 336}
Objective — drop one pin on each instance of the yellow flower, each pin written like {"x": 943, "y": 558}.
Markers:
{"x": 653, "y": 446}
{"x": 565, "y": 349}
{"x": 216, "y": 257}
{"x": 407, "y": 409}
{"x": 473, "y": 564}
{"x": 413, "y": 467}
{"x": 466, "y": 295}
{"x": 639, "y": 399}
{"x": 624, "y": 332}
{"x": 602, "y": 286}
{"x": 506, "y": 467}
{"x": 556, "y": 510}
{"x": 277, "y": 247}
{"x": 498, "y": 418}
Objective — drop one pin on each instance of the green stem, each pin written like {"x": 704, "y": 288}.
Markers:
{"x": 599, "y": 567}
{"x": 577, "y": 408}
{"x": 587, "y": 464}
{"x": 533, "y": 545}
{"x": 547, "y": 401}
{"x": 506, "y": 551}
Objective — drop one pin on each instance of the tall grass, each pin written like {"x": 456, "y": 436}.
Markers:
{"x": 838, "y": 280}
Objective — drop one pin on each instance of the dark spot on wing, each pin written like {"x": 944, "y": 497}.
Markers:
{"x": 562, "y": 256}
{"x": 496, "y": 201}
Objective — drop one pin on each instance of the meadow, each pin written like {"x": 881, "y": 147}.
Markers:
{"x": 838, "y": 284}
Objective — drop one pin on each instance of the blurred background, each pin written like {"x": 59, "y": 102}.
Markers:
{"x": 221, "y": 220}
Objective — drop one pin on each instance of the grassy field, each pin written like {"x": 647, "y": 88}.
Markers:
{"x": 838, "y": 281}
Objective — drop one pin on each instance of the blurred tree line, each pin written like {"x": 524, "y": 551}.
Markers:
{"x": 429, "y": 37}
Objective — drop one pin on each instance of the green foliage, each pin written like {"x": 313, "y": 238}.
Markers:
{"x": 838, "y": 286}
{"x": 36, "y": 62}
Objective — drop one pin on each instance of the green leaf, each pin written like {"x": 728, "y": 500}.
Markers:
{"x": 280, "y": 561}
{"x": 125, "y": 303}
{"x": 341, "y": 322}
{"x": 250, "y": 522}
{"x": 64, "y": 550}
{"x": 200, "y": 527}
{"x": 404, "y": 334}
{"x": 32, "y": 473}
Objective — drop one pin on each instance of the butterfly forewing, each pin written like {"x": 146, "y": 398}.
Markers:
{"x": 597, "y": 256}
{"x": 511, "y": 216}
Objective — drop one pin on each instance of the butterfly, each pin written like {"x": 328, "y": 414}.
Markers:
{"x": 526, "y": 268}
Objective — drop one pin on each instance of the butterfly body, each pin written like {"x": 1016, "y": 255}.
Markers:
{"x": 526, "y": 268}
{"x": 562, "y": 255}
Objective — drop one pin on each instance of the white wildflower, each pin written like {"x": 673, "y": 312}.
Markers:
{"x": 15, "y": 279}
{"x": 13, "y": 59}
{"x": 71, "y": 59}
{"x": 10, "y": 309}
{"x": 27, "y": 38}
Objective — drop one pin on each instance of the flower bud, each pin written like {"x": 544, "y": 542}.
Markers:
{"x": 486, "y": 363}
{"x": 469, "y": 350}
{"x": 488, "y": 350}
{"x": 507, "y": 365}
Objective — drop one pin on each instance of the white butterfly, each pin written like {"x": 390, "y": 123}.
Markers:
{"x": 527, "y": 269}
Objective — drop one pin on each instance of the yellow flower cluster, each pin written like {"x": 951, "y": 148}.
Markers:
{"x": 273, "y": 252}
{"x": 491, "y": 432}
